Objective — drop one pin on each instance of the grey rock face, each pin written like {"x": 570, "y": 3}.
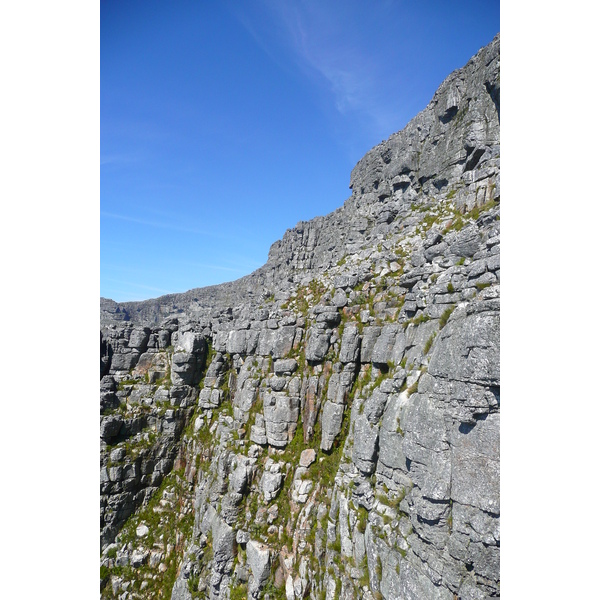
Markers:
{"x": 366, "y": 436}
{"x": 259, "y": 561}
{"x": 331, "y": 424}
{"x": 349, "y": 352}
{"x": 285, "y": 367}
{"x": 476, "y": 458}
{"x": 184, "y": 368}
{"x": 223, "y": 548}
{"x": 384, "y": 346}
{"x": 281, "y": 415}
{"x": 369, "y": 339}
{"x": 318, "y": 344}
{"x": 469, "y": 346}
{"x": 343, "y": 442}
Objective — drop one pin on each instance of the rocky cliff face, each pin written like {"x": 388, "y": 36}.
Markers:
{"x": 328, "y": 426}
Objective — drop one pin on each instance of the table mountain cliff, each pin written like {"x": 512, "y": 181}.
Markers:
{"x": 327, "y": 426}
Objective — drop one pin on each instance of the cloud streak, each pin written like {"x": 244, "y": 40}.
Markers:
{"x": 119, "y": 159}
{"x": 326, "y": 42}
{"x": 241, "y": 269}
{"x": 132, "y": 284}
{"x": 160, "y": 224}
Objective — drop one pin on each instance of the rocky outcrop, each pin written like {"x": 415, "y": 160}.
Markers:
{"x": 327, "y": 427}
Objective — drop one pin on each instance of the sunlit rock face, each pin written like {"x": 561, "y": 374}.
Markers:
{"x": 328, "y": 426}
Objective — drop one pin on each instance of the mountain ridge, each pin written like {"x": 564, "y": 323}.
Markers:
{"x": 411, "y": 170}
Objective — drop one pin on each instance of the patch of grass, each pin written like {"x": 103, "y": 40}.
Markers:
{"x": 210, "y": 354}
{"x": 456, "y": 224}
{"x": 429, "y": 343}
{"x": 422, "y": 318}
{"x": 378, "y": 567}
{"x": 482, "y": 286}
{"x": 271, "y": 591}
{"x": 460, "y": 115}
{"x": 239, "y": 592}
{"x": 360, "y": 299}
{"x": 413, "y": 388}
{"x": 383, "y": 375}
{"x": 450, "y": 288}
{"x": 167, "y": 528}
{"x": 446, "y": 315}
{"x": 122, "y": 384}
{"x": 476, "y": 211}
{"x": 429, "y": 221}
{"x": 192, "y": 584}
{"x": 336, "y": 545}
{"x": 395, "y": 502}
{"x": 362, "y": 518}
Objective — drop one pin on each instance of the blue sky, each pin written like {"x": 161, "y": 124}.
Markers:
{"x": 225, "y": 123}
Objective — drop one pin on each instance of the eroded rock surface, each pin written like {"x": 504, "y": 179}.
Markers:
{"x": 327, "y": 427}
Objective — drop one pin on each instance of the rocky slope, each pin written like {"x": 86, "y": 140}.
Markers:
{"x": 328, "y": 426}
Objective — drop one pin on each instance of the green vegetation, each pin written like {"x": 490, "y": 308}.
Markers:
{"x": 428, "y": 221}
{"x": 385, "y": 373}
{"x": 446, "y": 315}
{"x": 362, "y": 518}
{"x": 239, "y": 592}
{"x": 460, "y": 115}
{"x": 429, "y": 343}
{"x": 336, "y": 545}
{"x": 456, "y": 224}
{"x": 124, "y": 383}
{"x": 413, "y": 388}
{"x": 460, "y": 217}
{"x": 270, "y": 590}
{"x": 210, "y": 354}
{"x": 422, "y": 318}
{"x": 168, "y": 529}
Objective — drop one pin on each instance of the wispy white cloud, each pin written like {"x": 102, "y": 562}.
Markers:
{"x": 131, "y": 284}
{"x": 161, "y": 224}
{"x": 218, "y": 267}
{"x": 325, "y": 40}
{"x": 118, "y": 159}
{"x": 319, "y": 44}
{"x": 243, "y": 266}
